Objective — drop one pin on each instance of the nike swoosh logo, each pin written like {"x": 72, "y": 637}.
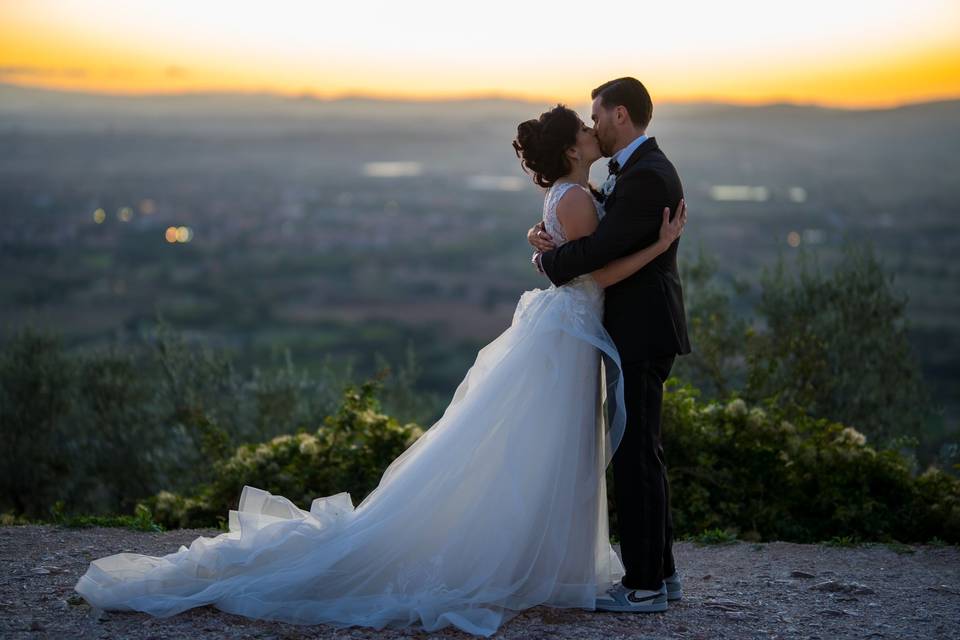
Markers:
{"x": 632, "y": 598}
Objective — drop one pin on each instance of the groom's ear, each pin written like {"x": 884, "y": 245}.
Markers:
{"x": 620, "y": 114}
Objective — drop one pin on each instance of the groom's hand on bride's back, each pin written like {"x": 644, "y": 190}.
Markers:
{"x": 538, "y": 237}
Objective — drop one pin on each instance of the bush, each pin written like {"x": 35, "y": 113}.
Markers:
{"x": 348, "y": 453}
{"x": 769, "y": 474}
{"x": 737, "y": 472}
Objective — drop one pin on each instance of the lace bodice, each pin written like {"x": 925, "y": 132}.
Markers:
{"x": 550, "y": 202}
{"x": 585, "y": 284}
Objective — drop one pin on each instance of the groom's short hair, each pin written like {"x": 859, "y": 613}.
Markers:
{"x": 630, "y": 93}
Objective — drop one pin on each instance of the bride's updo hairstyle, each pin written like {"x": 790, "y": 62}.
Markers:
{"x": 541, "y": 144}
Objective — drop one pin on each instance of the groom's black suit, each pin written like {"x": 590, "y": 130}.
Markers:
{"x": 644, "y": 316}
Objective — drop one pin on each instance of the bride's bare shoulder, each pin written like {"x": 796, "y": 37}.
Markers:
{"x": 577, "y": 213}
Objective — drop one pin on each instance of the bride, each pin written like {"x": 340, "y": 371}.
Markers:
{"x": 498, "y": 507}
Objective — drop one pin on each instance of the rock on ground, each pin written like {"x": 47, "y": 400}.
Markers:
{"x": 741, "y": 590}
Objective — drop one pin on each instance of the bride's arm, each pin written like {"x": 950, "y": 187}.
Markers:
{"x": 578, "y": 217}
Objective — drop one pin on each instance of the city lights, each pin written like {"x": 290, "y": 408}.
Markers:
{"x": 178, "y": 234}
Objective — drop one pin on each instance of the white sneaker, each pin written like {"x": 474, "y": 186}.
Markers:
{"x": 674, "y": 588}
{"x": 620, "y": 598}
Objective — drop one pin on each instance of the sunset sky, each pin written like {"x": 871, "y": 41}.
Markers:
{"x": 832, "y": 52}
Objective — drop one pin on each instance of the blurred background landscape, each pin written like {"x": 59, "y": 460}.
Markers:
{"x": 350, "y": 228}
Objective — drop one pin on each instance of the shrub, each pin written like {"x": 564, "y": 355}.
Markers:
{"x": 770, "y": 474}
{"x": 348, "y": 453}
{"x": 737, "y": 471}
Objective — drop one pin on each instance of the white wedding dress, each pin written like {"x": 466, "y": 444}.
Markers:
{"x": 498, "y": 507}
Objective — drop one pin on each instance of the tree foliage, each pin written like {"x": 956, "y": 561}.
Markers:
{"x": 835, "y": 345}
{"x": 100, "y": 429}
{"x": 832, "y": 344}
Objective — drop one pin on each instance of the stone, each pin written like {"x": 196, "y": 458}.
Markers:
{"x": 76, "y": 601}
{"x": 834, "y": 586}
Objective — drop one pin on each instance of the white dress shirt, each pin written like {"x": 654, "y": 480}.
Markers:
{"x": 624, "y": 154}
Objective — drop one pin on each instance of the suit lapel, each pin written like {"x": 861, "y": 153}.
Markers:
{"x": 650, "y": 144}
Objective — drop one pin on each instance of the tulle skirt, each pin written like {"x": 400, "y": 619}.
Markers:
{"x": 498, "y": 507}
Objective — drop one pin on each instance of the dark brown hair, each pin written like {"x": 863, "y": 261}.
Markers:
{"x": 629, "y": 93}
{"x": 541, "y": 144}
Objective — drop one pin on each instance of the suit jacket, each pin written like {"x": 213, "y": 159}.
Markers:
{"x": 643, "y": 313}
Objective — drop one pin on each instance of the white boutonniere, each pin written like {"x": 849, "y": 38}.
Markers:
{"x": 607, "y": 187}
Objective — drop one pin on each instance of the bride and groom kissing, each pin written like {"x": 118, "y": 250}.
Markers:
{"x": 643, "y": 314}
{"x": 501, "y": 504}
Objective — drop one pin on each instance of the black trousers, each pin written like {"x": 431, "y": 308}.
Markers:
{"x": 641, "y": 489}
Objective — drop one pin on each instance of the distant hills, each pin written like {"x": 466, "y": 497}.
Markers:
{"x": 33, "y": 109}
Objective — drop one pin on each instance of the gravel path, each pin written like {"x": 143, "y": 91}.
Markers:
{"x": 741, "y": 590}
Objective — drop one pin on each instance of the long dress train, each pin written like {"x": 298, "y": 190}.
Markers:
{"x": 498, "y": 507}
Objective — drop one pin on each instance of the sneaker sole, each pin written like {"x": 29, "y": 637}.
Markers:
{"x": 657, "y": 606}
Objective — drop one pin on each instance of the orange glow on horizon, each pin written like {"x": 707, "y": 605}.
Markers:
{"x": 870, "y": 56}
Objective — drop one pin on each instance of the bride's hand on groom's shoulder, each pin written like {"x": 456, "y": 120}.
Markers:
{"x": 538, "y": 237}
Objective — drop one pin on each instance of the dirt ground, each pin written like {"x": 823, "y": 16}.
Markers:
{"x": 741, "y": 590}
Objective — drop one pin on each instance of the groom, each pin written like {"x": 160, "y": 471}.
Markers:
{"x": 644, "y": 316}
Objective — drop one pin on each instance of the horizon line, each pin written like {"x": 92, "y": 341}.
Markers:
{"x": 466, "y": 97}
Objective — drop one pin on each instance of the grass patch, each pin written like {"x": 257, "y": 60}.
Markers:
{"x": 141, "y": 520}
{"x": 10, "y": 520}
{"x": 900, "y": 548}
{"x": 714, "y": 536}
{"x": 843, "y": 541}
